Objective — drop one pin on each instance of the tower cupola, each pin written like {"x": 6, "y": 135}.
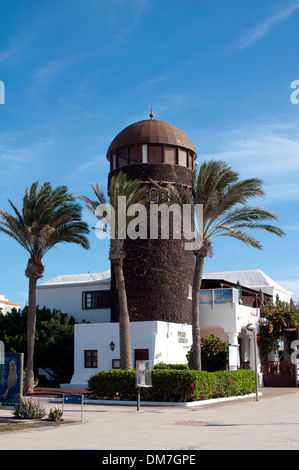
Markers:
{"x": 151, "y": 141}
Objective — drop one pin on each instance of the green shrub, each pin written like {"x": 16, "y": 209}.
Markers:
{"x": 106, "y": 384}
{"x": 214, "y": 354}
{"x": 173, "y": 385}
{"x": 171, "y": 366}
{"x": 55, "y": 414}
{"x": 29, "y": 408}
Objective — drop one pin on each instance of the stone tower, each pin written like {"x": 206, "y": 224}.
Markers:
{"x": 158, "y": 273}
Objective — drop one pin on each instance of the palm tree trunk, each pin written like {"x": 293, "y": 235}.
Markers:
{"x": 124, "y": 320}
{"x": 31, "y": 320}
{"x": 197, "y": 278}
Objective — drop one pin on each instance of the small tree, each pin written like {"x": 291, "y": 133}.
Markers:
{"x": 224, "y": 198}
{"x": 214, "y": 354}
{"x": 48, "y": 217}
{"x": 276, "y": 318}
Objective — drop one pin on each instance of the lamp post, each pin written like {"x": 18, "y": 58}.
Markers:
{"x": 252, "y": 328}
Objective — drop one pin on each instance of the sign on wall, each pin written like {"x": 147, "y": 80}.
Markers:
{"x": 11, "y": 379}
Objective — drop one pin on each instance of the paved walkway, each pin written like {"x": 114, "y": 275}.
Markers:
{"x": 272, "y": 422}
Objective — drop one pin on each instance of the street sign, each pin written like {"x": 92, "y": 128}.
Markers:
{"x": 73, "y": 400}
{"x": 143, "y": 377}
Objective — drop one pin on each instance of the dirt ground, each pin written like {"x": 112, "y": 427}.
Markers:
{"x": 48, "y": 392}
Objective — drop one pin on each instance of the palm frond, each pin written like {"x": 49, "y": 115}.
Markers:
{"x": 44, "y": 212}
{"x": 247, "y": 239}
{"x": 224, "y": 198}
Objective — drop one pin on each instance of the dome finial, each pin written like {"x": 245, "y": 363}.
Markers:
{"x": 151, "y": 114}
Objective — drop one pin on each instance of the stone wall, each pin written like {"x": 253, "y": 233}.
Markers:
{"x": 158, "y": 273}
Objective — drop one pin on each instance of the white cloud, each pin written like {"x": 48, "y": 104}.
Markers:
{"x": 291, "y": 285}
{"x": 15, "y": 159}
{"x": 96, "y": 161}
{"x": 268, "y": 151}
{"x": 6, "y": 55}
{"x": 55, "y": 67}
{"x": 291, "y": 228}
{"x": 264, "y": 28}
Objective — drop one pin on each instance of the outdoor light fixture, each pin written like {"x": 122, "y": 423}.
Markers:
{"x": 112, "y": 346}
{"x": 252, "y": 328}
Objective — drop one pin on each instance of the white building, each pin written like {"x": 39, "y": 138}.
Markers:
{"x": 7, "y": 306}
{"x": 84, "y": 296}
{"x": 229, "y": 302}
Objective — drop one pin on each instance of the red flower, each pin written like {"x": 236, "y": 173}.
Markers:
{"x": 210, "y": 389}
{"x": 192, "y": 385}
{"x": 192, "y": 395}
{"x": 232, "y": 381}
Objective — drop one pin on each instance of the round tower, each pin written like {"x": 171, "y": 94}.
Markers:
{"x": 158, "y": 273}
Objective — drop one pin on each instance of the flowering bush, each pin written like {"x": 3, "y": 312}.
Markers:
{"x": 170, "y": 385}
{"x": 214, "y": 354}
{"x": 275, "y": 318}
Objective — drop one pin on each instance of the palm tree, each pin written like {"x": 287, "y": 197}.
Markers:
{"x": 48, "y": 217}
{"x": 130, "y": 192}
{"x": 225, "y": 212}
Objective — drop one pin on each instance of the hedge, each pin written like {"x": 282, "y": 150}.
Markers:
{"x": 173, "y": 385}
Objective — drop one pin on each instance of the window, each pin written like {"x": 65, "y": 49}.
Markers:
{"x": 155, "y": 154}
{"x": 190, "y": 160}
{"x": 96, "y": 299}
{"x": 113, "y": 161}
{"x": 170, "y": 155}
{"x": 122, "y": 157}
{"x": 135, "y": 155}
{"x": 115, "y": 363}
{"x": 182, "y": 157}
{"x": 90, "y": 358}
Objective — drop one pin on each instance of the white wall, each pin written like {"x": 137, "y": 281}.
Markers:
{"x": 172, "y": 343}
{"x": 68, "y": 299}
{"x": 168, "y": 341}
{"x": 230, "y": 317}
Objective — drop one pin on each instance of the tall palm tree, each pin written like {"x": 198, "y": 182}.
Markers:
{"x": 48, "y": 217}
{"x": 225, "y": 212}
{"x": 130, "y": 193}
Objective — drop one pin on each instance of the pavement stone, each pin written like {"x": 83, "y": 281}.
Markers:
{"x": 271, "y": 423}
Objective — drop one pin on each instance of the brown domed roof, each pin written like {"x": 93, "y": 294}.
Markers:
{"x": 151, "y": 132}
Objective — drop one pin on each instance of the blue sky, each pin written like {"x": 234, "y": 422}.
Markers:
{"x": 76, "y": 72}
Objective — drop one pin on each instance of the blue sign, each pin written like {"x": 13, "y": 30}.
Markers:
{"x": 73, "y": 399}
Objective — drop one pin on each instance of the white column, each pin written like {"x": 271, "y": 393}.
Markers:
{"x": 233, "y": 357}
{"x": 251, "y": 352}
{"x": 144, "y": 153}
